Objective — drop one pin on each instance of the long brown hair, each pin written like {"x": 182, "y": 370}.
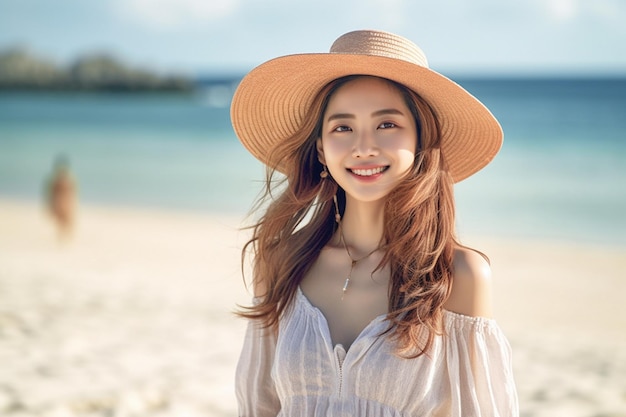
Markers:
{"x": 299, "y": 221}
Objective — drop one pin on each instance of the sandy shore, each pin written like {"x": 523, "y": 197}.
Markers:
{"x": 133, "y": 317}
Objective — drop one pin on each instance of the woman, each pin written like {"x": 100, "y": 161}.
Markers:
{"x": 365, "y": 303}
{"x": 61, "y": 197}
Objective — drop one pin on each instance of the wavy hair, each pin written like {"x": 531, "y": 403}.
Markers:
{"x": 299, "y": 221}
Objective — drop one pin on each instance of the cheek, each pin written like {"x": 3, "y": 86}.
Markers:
{"x": 335, "y": 149}
{"x": 408, "y": 148}
{"x": 399, "y": 144}
{"x": 406, "y": 156}
{"x": 409, "y": 141}
{"x": 406, "y": 151}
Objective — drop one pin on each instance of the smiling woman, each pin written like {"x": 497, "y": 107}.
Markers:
{"x": 368, "y": 137}
{"x": 358, "y": 276}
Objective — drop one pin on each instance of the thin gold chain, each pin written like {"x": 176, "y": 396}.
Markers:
{"x": 353, "y": 261}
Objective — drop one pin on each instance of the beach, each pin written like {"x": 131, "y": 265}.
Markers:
{"x": 133, "y": 316}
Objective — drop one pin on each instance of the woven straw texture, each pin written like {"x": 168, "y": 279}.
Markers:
{"x": 271, "y": 100}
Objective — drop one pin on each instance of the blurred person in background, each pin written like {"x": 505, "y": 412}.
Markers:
{"x": 61, "y": 197}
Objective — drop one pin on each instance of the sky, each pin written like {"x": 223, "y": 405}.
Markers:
{"x": 198, "y": 37}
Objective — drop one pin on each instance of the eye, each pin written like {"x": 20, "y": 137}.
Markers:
{"x": 387, "y": 125}
{"x": 342, "y": 128}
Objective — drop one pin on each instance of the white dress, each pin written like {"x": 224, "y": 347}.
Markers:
{"x": 300, "y": 374}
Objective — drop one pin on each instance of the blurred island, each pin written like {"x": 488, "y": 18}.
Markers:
{"x": 21, "y": 70}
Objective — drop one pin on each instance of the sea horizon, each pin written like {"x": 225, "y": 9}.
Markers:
{"x": 559, "y": 174}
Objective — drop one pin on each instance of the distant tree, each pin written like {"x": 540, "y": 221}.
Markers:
{"x": 21, "y": 70}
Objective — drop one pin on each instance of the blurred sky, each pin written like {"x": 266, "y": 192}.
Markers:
{"x": 214, "y": 36}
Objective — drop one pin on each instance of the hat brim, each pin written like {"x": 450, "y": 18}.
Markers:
{"x": 272, "y": 99}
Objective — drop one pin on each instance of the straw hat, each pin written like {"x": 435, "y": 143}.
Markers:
{"x": 271, "y": 100}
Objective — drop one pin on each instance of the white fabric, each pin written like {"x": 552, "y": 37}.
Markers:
{"x": 300, "y": 374}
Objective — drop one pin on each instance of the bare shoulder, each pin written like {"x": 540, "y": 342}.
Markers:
{"x": 472, "y": 285}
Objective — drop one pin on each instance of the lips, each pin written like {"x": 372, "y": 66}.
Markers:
{"x": 368, "y": 172}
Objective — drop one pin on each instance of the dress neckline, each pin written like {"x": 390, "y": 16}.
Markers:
{"x": 325, "y": 328}
{"x": 448, "y": 316}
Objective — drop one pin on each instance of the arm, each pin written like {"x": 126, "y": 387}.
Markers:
{"x": 479, "y": 356}
{"x": 256, "y": 394}
{"x": 472, "y": 285}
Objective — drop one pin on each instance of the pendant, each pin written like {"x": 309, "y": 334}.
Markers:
{"x": 345, "y": 284}
{"x": 345, "y": 288}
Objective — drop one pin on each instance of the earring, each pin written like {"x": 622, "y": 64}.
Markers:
{"x": 324, "y": 173}
{"x": 337, "y": 215}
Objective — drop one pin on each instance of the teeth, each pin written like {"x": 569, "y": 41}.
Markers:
{"x": 368, "y": 172}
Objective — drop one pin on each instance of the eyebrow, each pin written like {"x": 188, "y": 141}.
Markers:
{"x": 377, "y": 113}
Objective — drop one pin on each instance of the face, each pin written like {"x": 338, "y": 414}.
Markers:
{"x": 368, "y": 138}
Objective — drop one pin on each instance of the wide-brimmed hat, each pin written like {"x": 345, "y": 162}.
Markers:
{"x": 272, "y": 99}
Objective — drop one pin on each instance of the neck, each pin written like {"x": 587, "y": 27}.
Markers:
{"x": 363, "y": 227}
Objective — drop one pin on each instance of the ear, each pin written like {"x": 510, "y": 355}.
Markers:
{"x": 320, "y": 151}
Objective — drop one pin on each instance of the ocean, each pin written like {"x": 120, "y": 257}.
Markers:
{"x": 561, "y": 174}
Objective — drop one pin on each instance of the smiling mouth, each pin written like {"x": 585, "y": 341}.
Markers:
{"x": 368, "y": 172}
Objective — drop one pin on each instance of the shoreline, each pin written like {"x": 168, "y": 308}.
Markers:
{"x": 134, "y": 315}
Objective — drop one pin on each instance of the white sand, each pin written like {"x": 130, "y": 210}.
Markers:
{"x": 562, "y": 307}
{"x": 133, "y": 317}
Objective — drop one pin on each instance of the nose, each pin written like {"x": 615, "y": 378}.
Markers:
{"x": 365, "y": 145}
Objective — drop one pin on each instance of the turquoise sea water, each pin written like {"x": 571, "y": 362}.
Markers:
{"x": 561, "y": 173}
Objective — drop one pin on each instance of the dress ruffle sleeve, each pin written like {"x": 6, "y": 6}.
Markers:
{"x": 254, "y": 386}
{"x": 480, "y": 368}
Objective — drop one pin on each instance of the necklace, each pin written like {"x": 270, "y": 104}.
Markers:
{"x": 353, "y": 261}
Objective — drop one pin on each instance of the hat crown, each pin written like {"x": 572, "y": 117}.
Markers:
{"x": 378, "y": 43}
